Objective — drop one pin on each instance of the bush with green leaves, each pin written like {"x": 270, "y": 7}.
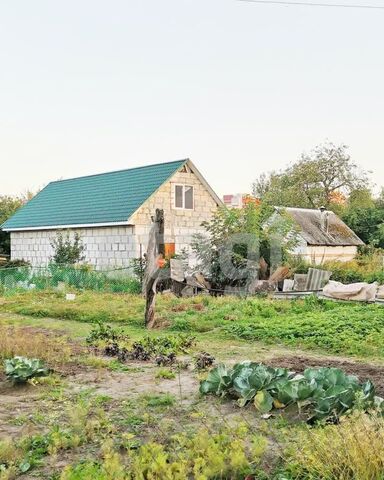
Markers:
{"x": 319, "y": 392}
{"x": 235, "y": 241}
{"x": 102, "y": 332}
{"x": 22, "y": 369}
{"x": 67, "y": 250}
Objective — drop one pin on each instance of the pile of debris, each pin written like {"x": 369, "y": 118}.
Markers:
{"x": 318, "y": 281}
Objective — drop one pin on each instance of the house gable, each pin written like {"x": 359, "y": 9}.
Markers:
{"x": 181, "y": 223}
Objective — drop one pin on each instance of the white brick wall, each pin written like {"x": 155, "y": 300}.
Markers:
{"x": 105, "y": 247}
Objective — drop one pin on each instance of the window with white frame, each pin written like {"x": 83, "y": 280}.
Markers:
{"x": 184, "y": 197}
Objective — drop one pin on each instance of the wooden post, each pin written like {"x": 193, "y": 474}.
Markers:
{"x": 151, "y": 275}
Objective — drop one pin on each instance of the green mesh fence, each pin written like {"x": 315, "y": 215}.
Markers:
{"x": 17, "y": 279}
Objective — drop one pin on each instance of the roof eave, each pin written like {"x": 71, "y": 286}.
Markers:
{"x": 356, "y": 244}
{"x": 217, "y": 199}
{"x": 63, "y": 227}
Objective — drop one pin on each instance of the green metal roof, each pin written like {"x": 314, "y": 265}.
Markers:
{"x": 104, "y": 198}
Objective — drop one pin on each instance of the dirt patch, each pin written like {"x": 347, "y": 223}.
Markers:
{"x": 140, "y": 380}
{"x": 15, "y": 401}
{"x": 365, "y": 371}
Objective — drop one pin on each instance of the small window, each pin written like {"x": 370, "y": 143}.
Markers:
{"x": 188, "y": 197}
{"x": 184, "y": 197}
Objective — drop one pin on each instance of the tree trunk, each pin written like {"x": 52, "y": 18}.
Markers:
{"x": 154, "y": 251}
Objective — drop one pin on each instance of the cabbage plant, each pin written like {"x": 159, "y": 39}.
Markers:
{"x": 321, "y": 392}
{"x": 22, "y": 369}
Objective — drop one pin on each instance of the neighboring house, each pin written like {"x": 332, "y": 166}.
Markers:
{"x": 112, "y": 213}
{"x": 322, "y": 235}
{"x": 239, "y": 200}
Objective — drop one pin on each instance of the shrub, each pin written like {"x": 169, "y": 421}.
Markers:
{"x": 234, "y": 241}
{"x": 21, "y": 369}
{"x": 67, "y": 251}
{"x": 105, "y": 333}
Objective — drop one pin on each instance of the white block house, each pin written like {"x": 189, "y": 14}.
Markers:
{"x": 112, "y": 213}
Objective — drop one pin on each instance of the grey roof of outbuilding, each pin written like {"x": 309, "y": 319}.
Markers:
{"x": 309, "y": 222}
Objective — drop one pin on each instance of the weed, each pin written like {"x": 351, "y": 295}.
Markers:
{"x": 95, "y": 362}
{"x": 311, "y": 323}
{"x": 27, "y": 342}
{"x": 350, "y": 450}
{"x": 232, "y": 453}
{"x": 159, "y": 400}
{"x": 165, "y": 373}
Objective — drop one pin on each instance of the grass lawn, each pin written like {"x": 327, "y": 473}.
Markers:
{"x": 95, "y": 417}
{"x": 325, "y": 326}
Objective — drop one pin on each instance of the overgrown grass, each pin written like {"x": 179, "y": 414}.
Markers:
{"x": 229, "y": 454}
{"x": 87, "y": 307}
{"x": 364, "y": 268}
{"x": 349, "y": 451}
{"x": 54, "y": 350}
{"x": 339, "y": 328}
{"x": 83, "y": 422}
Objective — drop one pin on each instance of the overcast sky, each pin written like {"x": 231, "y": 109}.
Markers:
{"x": 88, "y": 86}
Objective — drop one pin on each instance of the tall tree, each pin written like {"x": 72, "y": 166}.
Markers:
{"x": 319, "y": 177}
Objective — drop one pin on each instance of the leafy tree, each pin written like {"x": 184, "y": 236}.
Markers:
{"x": 315, "y": 180}
{"x": 365, "y": 222}
{"x": 238, "y": 242}
{"x": 361, "y": 198}
{"x": 365, "y": 215}
{"x": 8, "y": 206}
{"x": 67, "y": 251}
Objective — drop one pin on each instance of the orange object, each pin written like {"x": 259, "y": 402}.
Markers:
{"x": 160, "y": 261}
{"x": 249, "y": 199}
{"x": 337, "y": 197}
{"x": 169, "y": 250}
